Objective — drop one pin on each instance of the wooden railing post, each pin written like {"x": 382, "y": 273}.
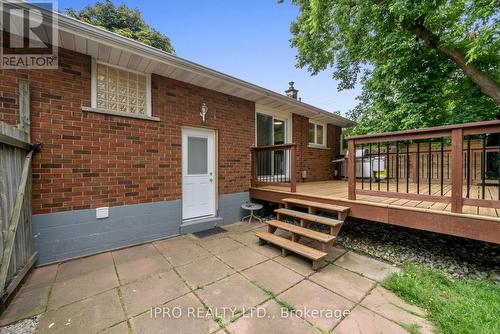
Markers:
{"x": 253, "y": 166}
{"x": 293, "y": 171}
{"x": 456, "y": 170}
{"x": 351, "y": 169}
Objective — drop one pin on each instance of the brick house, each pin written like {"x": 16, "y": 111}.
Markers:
{"x": 122, "y": 126}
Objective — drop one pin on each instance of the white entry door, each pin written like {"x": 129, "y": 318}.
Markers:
{"x": 198, "y": 173}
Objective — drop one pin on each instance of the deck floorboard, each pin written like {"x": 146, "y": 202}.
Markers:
{"x": 338, "y": 189}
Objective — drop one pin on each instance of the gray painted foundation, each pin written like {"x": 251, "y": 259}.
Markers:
{"x": 64, "y": 235}
{"x": 230, "y": 206}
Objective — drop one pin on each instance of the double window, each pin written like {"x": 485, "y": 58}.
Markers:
{"x": 317, "y": 134}
{"x": 120, "y": 91}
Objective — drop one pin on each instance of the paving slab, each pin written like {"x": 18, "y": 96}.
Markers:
{"x": 239, "y": 227}
{"x": 272, "y": 322}
{"x": 179, "y": 251}
{"x": 268, "y": 250}
{"x": 83, "y": 286}
{"x": 138, "y": 262}
{"x": 364, "y": 321}
{"x": 241, "y": 258}
{"x": 121, "y": 328}
{"x": 40, "y": 277}
{"x": 219, "y": 245}
{"x": 317, "y": 305}
{"x": 26, "y": 304}
{"x": 158, "y": 289}
{"x": 392, "y": 307}
{"x": 343, "y": 282}
{"x": 366, "y": 266}
{"x": 86, "y": 316}
{"x": 204, "y": 271}
{"x": 296, "y": 263}
{"x": 273, "y": 276}
{"x": 247, "y": 238}
{"x": 179, "y": 322}
{"x": 74, "y": 268}
{"x": 233, "y": 292}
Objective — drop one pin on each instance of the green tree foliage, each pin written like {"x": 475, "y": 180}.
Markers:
{"x": 421, "y": 63}
{"x": 124, "y": 21}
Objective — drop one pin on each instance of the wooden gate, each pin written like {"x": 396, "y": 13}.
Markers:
{"x": 17, "y": 255}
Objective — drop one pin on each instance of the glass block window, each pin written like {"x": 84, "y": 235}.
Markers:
{"x": 121, "y": 90}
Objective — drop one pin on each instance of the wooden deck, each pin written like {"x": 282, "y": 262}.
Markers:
{"x": 480, "y": 223}
{"x": 338, "y": 189}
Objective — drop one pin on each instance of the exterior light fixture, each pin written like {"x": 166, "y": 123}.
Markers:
{"x": 203, "y": 111}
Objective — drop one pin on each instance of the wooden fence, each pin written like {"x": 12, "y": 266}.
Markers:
{"x": 16, "y": 152}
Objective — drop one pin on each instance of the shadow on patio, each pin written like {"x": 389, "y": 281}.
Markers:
{"x": 248, "y": 287}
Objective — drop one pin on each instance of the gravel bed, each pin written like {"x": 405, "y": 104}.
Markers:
{"x": 27, "y": 326}
{"x": 458, "y": 257}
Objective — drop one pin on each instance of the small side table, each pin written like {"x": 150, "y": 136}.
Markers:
{"x": 249, "y": 206}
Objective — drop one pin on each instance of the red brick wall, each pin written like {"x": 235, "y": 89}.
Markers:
{"x": 316, "y": 161}
{"x": 90, "y": 160}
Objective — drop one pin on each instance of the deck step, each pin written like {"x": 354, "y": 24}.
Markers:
{"x": 315, "y": 255}
{"x": 318, "y": 236}
{"x": 318, "y": 205}
{"x": 309, "y": 217}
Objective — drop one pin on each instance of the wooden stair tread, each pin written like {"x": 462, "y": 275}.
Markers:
{"x": 292, "y": 246}
{"x": 318, "y": 205}
{"x": 315, "y": 235}
{"x": 309, "y": 217}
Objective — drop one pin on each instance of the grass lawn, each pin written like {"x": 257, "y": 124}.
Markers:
{"x": 453, "y": 305}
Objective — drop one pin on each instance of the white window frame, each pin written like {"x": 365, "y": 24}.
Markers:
{"x": 315, "y": 144}
{"x": 94, "y": 90}
{"x": 275, "y": 114}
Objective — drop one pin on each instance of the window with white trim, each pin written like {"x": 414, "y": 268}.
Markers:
{"x": 317, "y": 134}
{"x": 120, "y": 90}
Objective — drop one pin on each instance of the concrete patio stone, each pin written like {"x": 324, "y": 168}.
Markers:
{"x": 219, "y": 245}
{"x": 83, "y": 286}
{"x": 204, "y": 271}
{"x": 268, "y": 250}
{"x": 225, "y": 273}
{"x": 273, "y": 322}
{"x": 346, "y": 283}
{"x": 392, "y": 307}
{"x": 240, "y": 227}
{"x": 74, "y": 268}
{"x": 188, "y": 324}
{"x": 26, "y": 304}
{"x": 247, "y": 238}
{"x": 241, "y": 258}
{"x": 364, "y": 321}
{"x": 86, "y": 316}
{"x": 366, "y": 266}
{"x": 138, "y": 262}
{"x": 40, "y": 277}
{"x": 179, "y": 251}
{"x": 296, "y": 263}
{"x": 329, "y": 307}
{"x": 233, "y": 292}
{"x": 273, "y": 276}
{"x": 158, "y": 289}
{"x": 121, "y": 328}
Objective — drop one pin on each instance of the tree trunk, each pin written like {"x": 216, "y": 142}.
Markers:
{"x": 487, "y": 85}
